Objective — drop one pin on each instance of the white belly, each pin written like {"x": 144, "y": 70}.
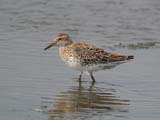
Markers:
{"x": 73, "y": 63}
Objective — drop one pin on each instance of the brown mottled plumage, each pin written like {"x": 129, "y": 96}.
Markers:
{"x": 85, "y": 57}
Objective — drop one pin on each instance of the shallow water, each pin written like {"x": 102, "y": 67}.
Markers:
{"x": 35, "y": 84}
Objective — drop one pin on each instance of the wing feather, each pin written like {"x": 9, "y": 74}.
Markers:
{"x": 89, "y": 54}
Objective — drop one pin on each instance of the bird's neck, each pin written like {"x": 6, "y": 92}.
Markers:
{"x": 70, "y": 42}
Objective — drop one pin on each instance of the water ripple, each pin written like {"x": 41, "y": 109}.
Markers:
{"x": 82, "y": 101}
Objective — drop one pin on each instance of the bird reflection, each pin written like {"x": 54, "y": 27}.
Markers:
{"x": 84, "y": 99}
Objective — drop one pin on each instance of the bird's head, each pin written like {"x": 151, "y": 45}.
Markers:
{"x": 60, "y": 40}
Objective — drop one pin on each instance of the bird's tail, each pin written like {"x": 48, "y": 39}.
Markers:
{"x": 130, "y": 57}
{"x": 115, "y": 57}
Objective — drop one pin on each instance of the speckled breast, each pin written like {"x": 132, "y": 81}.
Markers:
{"x": 67, "y": 54}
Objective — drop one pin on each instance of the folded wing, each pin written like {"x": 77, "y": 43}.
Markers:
{"x": 89, "y": 54}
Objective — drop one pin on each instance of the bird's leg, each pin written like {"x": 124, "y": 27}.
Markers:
{"x": 92, "y": 85}
{"x": 80, "y": 77}
{"x": 92, "y": 77}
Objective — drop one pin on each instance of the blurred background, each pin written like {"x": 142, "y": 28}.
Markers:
{"x": 35, "y": 84}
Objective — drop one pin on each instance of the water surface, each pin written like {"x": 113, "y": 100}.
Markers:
{"x": 35, "y": 84}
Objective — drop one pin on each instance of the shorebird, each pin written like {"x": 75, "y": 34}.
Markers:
{"x": 85, "y": 57}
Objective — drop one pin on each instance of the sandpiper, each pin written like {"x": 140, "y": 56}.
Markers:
{"x": 85, "y": 57}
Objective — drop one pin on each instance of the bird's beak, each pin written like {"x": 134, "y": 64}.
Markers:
{"x": 50, "y": 45}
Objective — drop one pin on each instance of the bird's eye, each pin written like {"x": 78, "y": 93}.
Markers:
{"x": 60, "y": 39}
